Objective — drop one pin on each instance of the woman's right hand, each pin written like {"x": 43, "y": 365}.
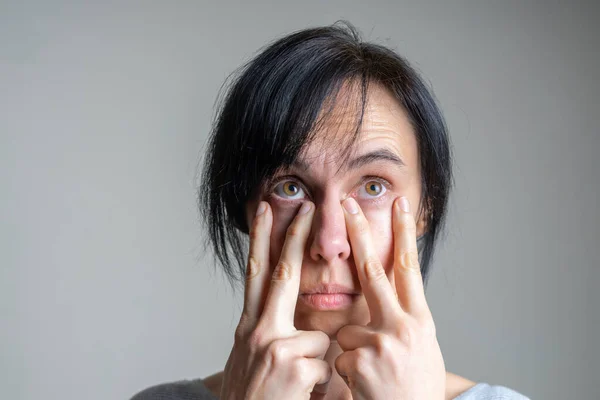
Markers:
{"x": 270, "y": 358}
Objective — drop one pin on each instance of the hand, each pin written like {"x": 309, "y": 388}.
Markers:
{"x": 397, "y": 355}
{"x": 270, "y": 359}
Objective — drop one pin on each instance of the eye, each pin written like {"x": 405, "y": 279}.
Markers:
{"x": 290, "y": 190}
{"x": 373, "y": 189}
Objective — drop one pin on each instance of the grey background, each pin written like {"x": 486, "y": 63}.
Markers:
{"x": 104, "y": 111}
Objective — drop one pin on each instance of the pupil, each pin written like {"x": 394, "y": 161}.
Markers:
{"x": 374, "y": 188}
{"x": 291, "y": 188}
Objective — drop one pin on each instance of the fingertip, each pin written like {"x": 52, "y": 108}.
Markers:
{"x": 306, "y": 207}
{"x": 402, "y": 214}
{"x": 261, "y": 221}
{"x": 350, "y": 205}
{"x": 397, "y": 209}
{"x": 397, "y": 215}
{"x": 262, "y": 206}
{"x": 268, "y": 214}
{"x": 404, "y": 204}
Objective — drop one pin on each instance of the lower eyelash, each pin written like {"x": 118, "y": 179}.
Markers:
{"x": 381, "y": 181}
{"x": 273, "y": 183}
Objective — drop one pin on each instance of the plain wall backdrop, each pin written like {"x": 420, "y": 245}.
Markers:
{"x": 104, "y": 113}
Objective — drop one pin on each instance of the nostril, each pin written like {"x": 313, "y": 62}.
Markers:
{"x": 325, "y": 248}
{"x": 329, "y": 238}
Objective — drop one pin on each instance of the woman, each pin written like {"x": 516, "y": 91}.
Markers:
{"x": 333, "y": 157}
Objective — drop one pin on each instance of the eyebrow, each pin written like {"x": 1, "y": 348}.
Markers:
{"x": 364, "y": 159}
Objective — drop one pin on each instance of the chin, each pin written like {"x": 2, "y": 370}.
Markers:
{"x": 329, "y": 321}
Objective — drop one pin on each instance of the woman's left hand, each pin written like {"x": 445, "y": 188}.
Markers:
{"x": 396, "y": 355}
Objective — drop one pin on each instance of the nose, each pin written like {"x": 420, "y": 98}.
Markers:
{"x": 329, "y": 239}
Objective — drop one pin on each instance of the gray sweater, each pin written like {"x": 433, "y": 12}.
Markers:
{"x": 195, "y": 390}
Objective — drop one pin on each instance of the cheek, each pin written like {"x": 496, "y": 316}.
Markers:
{"x": 282, "y": 218}
{"x": 380, "y": 221}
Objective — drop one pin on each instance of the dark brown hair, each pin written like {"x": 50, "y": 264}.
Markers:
{"x": 270, "y": 112}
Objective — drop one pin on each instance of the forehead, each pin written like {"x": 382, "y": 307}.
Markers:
{"x": 385, "y": 126}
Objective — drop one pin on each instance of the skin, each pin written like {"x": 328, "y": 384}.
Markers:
{"x": 384, "y": 345}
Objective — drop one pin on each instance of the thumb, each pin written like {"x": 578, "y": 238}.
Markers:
{"x": 320, "y": 390}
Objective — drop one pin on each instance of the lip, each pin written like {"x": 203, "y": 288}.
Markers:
{"x": 329, "y": 288}
{"x": 328, "y": 301}
{"x": 328, "y": 297}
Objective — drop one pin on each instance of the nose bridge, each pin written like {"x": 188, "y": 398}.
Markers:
{"x": 329, "y": 237}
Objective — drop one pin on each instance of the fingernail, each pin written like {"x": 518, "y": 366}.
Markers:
{"x": 261, "y": 208}
{"x": 404, "y": 204}
{"x": 350, "y": 205}
{"x": 306, "y": 206}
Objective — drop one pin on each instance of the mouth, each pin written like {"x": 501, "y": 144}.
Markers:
{"x": 329, "y": 297}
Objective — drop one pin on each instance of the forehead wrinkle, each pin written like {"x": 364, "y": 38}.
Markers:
{"x": 384, "y": 126}
{"x": 382, "y": 139}
{"x": 380, "y": 154}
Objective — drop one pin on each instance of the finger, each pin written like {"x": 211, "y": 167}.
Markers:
{"x": 351, "y": 337}
{"x": 317, "y": 374}
{"x": 354, "y": 367}
{"x": 376, "y": 287}
{"x": 257, "y": 268}
{"x": 285, "y": 281}
{"x": 320, "y": 390}
{"x": 407, "y": 271}
{"x": 310, "y": 344}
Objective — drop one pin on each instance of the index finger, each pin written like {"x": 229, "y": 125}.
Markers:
{"x": 281, "y": 300}
{"x": 376, "y": 286}
{"x": 407, "y": 271}
{"x": 257, "y": 267}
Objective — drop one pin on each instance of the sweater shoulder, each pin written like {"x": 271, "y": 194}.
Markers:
{"x": 178, "y": 390}
{"x": 485, "y": 391}
{"x": 196, "y": 390}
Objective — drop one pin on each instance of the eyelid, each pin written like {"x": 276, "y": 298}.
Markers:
{"x": 273, "y": 183}
{"x": 376, "y": 178}
{"x": 381, "y": 180}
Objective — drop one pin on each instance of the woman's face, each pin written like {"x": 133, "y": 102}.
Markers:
{"x": 383, "y": 166}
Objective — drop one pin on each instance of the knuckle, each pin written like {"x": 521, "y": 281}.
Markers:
{"x": 278, "y": 352}
{"x": 360, "y": 362}
{"x": 252, "y": 268}
{"x": 428, "y": 327}
{"x": 300, "y": 370}
{"x": 255, "y": 339}
{"x": 409, "y": 260}
{"x": 317, "y": 338}
{"x": 294, "y": 230}
{"x": 283, "y": 271}
{"x": 374, "y": 270}
{"x": 405, "y": 334}
{"x": 384, "y": 344}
